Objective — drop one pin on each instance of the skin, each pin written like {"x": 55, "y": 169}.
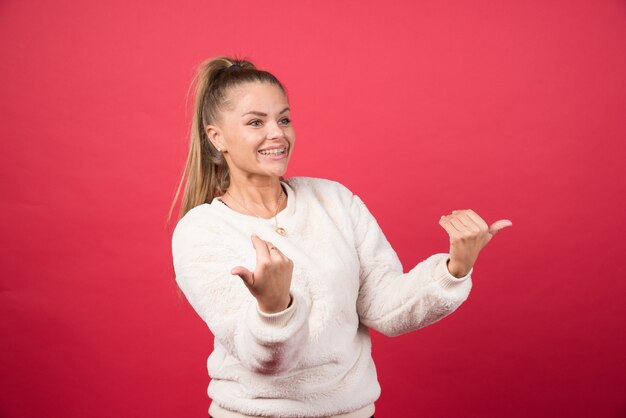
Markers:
{"x": 255, "y": 181}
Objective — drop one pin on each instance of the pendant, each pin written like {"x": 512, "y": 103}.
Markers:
{"x": 281, "y": 231}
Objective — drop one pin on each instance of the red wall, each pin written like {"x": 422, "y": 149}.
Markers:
{"x": 514, "y": 109}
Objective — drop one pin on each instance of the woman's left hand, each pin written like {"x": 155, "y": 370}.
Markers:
{"x": 468, "y": 235}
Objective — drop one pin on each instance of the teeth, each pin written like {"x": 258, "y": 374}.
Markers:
{"x": 273, "y": 151}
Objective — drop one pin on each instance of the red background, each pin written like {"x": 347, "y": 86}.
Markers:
{"x": 514, "y": 109}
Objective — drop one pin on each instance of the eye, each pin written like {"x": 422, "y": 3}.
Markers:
{"x": 254, "y": 122}
{"x": 285, "y": 121}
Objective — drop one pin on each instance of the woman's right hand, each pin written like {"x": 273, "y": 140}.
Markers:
{"x": 271, "y": 280}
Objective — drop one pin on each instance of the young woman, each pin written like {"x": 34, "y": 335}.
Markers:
{"x": 289, "y": 275}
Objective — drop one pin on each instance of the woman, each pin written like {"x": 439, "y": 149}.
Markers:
{"x": 314, "y": 270}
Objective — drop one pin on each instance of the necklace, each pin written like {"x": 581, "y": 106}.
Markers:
{"x": 277, "y": 228}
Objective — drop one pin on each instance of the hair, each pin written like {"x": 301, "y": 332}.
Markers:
{"x": 206, "y": 173}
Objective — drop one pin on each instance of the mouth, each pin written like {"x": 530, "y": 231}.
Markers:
{"x": 274, "y": 152}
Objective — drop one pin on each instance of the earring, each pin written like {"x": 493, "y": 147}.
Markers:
{"x": 219, "y": 149}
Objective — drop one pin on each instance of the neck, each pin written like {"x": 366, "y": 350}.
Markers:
{"x": 259, "y": 194}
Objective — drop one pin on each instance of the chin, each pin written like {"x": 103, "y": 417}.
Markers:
{"x": 277, "y": 173}
{"x": 276, "y": 170}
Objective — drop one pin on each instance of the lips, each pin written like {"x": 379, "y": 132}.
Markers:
{"x": 274, "y": 151}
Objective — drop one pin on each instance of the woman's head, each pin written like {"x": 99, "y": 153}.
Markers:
{"x": 239, "y": 113}
{"x": 253, "y": 132}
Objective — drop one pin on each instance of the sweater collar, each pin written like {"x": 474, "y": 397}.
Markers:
{"x": 281, "y": 216}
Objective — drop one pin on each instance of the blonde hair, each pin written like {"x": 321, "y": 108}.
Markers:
{"x": 206, "y": 173}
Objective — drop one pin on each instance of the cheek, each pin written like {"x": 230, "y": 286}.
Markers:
{"x": 245, "y": 141}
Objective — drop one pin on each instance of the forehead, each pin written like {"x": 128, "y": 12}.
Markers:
{"x": 264, "y": 97}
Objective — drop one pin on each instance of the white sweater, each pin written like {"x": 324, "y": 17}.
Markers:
{"x": 314, "y": 358}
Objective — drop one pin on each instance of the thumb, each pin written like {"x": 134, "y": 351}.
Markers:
{"x": 245, "y": 274}
{"x": 498, "y": 225}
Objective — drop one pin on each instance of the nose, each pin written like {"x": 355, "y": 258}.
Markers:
{"x": 275, "y": 131}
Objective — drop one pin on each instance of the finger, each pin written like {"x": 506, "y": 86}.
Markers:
{"x": 467, "y": 222}
{"x": 244, "y": 273}
{"x": 271, "y": 248}
{"x": 450, "y": 229}
{"x": 498, "y": 225}
{"x": 455, "y": 226}
{"x": 274, "y": 251}
{"x": 260, "y": 246}
{"x": 479, "y": 221}
{"x": 462, "y": 229}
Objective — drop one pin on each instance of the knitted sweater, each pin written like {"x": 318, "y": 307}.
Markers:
{"x": 314, "y": 358}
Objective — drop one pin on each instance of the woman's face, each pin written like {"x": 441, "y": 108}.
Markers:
{"x": 255, "y": 132}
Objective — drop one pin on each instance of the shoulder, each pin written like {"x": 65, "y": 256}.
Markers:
{"x": 333, "y": 195}
{"x": 320, "y": 187}
{"x": 193, "y": 216}
{"x": 197, "y": 223}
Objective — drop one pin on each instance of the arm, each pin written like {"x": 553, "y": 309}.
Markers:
{"x": 264, "y": 343}
{"x": 391, "y": 301}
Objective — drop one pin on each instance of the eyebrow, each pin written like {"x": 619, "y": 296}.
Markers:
{"x": 254, "y": 112}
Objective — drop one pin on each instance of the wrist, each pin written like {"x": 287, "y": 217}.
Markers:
{"x": 456, "y": 270}
{"x": 276, "y": 307}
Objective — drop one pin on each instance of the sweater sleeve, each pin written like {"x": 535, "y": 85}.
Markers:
{"x": 264, "y": 343}
{"x": 393, "y": 302}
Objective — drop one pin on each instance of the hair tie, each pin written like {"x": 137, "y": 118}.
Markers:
{"x": 232, "y": 67}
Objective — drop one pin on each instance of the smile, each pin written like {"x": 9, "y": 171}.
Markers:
{"x": 280, "y": 151}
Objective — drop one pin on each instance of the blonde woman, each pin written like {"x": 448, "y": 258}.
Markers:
{"x": 289, "y": 275}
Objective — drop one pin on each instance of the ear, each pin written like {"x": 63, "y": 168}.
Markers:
{"x": 214, "y": 133}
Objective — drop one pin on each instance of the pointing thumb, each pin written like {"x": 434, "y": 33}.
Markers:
{"x": 245, "y": 274}
{"x": 501, "y": 224}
